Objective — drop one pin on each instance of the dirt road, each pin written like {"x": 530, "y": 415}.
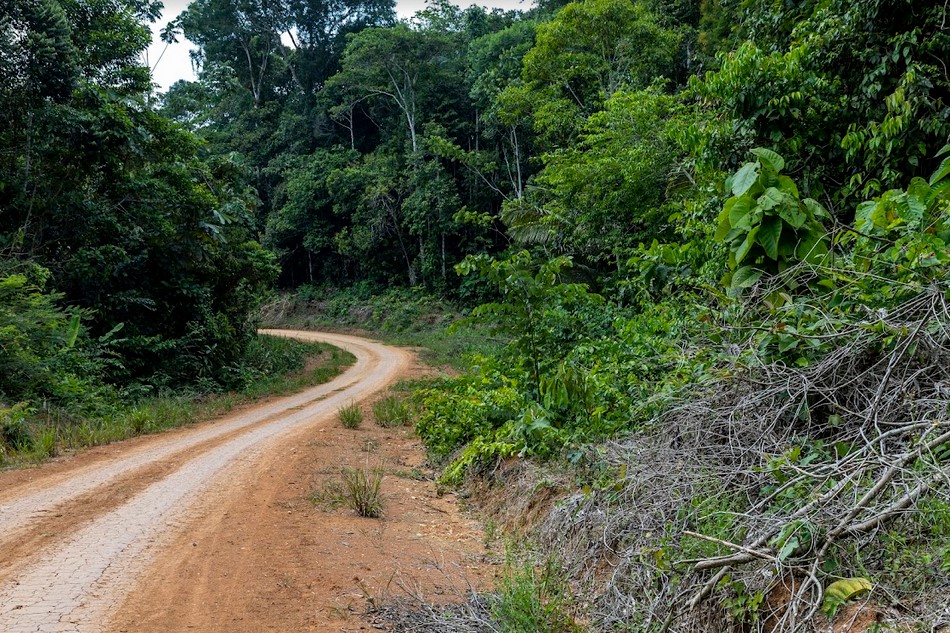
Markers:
{"x": 77, "y": 537}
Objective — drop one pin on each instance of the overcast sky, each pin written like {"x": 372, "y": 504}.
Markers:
{"x": 171, "y": 63}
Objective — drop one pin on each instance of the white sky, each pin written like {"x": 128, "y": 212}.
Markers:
{"x": 171, "y": 63}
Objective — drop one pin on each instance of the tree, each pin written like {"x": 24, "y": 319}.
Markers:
{"x": 611, "y": 190}
{"x": 317, "y": 31}
{"x": 115, "y": 202}
{"x": 303, "y": 225}
{"x": 855, "y": 94}
{"x": 400, "y": 66}
{"x": 589, "y": 51}
{"x": 37, "y": 57}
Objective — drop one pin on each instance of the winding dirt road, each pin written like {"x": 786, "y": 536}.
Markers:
{"x": 76, "y": 535}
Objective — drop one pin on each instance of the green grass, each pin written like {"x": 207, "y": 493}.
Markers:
{"x": 332, "y": 363}
{"x": 533, "y": 598}
{"x": 276, "y": 367}
{"x": 351, "y": 416}
{"x": 390, "y": 411}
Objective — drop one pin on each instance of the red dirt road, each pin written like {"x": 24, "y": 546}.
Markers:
{"x": 208, "y": 528}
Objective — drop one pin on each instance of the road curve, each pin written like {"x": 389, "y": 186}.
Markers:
{"x": 84, "y": 567}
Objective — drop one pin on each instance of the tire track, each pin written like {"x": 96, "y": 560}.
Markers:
{"x": 73, "y": 586}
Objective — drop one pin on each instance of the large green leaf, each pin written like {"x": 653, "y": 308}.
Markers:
{"x": 725, "y": 226}
{"x": 743, "y": 180}
{"x": 788, "y": 185}
{"x": 746, "y": 245}
{"x": 769, "y": 234}
{"x": 770, "y": 158}
{"x": 793, "y": 215}
{"x": 913, "y": 205}
{"x": 813, "y": 249}
{"x": 942, "y": 172}
{"x": 745, "y": 277}
{"x": 73, "y": 331}
{"x": 864, "y": 216}
{"x": 818, "y": 211}
{"x": 739, "y": 212}
{"x": 772, "y": 198}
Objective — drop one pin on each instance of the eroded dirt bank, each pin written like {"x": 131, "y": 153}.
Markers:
{"x": 208, "y": 528}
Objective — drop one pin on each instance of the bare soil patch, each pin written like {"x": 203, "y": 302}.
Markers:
{"x": 263, "y": 557}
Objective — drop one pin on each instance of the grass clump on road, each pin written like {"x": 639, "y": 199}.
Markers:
{"x": 351, "y": 416}
{"x": 362, "y": 491}
{"x": 359, "y": 489}
{"x": 390, "y": 411}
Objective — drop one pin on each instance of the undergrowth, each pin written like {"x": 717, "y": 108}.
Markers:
{"x": 391, "y": 411}
{"x": 528, "y": 597}
{"x": 750, "y": 456}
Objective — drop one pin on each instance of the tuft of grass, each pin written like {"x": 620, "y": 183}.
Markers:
{"x": 351, "y": 416}
{"x": 44, "y": 445}
{"x": 390, "y": 412}
{"x": 357, "y": 488}
{"x": 362, "y": 491}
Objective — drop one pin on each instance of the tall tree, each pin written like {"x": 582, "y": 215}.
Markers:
{"x": 400, "y": 67}
{"x": 115, "y": 201}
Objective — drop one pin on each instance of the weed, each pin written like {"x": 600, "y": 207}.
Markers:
{"x": 369, "y": 446}
{"x": 14, "y": 433}
{"x": 45, "y": 443}
{"x": 391, "y": 411}
{"x": 330, "y": 496}
{"x": 362, "y": 491}
{"x": 357, "y": 488}
{"x": 138, "y": 420}
{"x": 351, "y": 416}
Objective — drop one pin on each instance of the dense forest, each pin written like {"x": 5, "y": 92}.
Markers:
{"x": 713, "y": 236}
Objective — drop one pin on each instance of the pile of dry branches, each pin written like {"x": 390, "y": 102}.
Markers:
{"x": 849, "y": 456}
